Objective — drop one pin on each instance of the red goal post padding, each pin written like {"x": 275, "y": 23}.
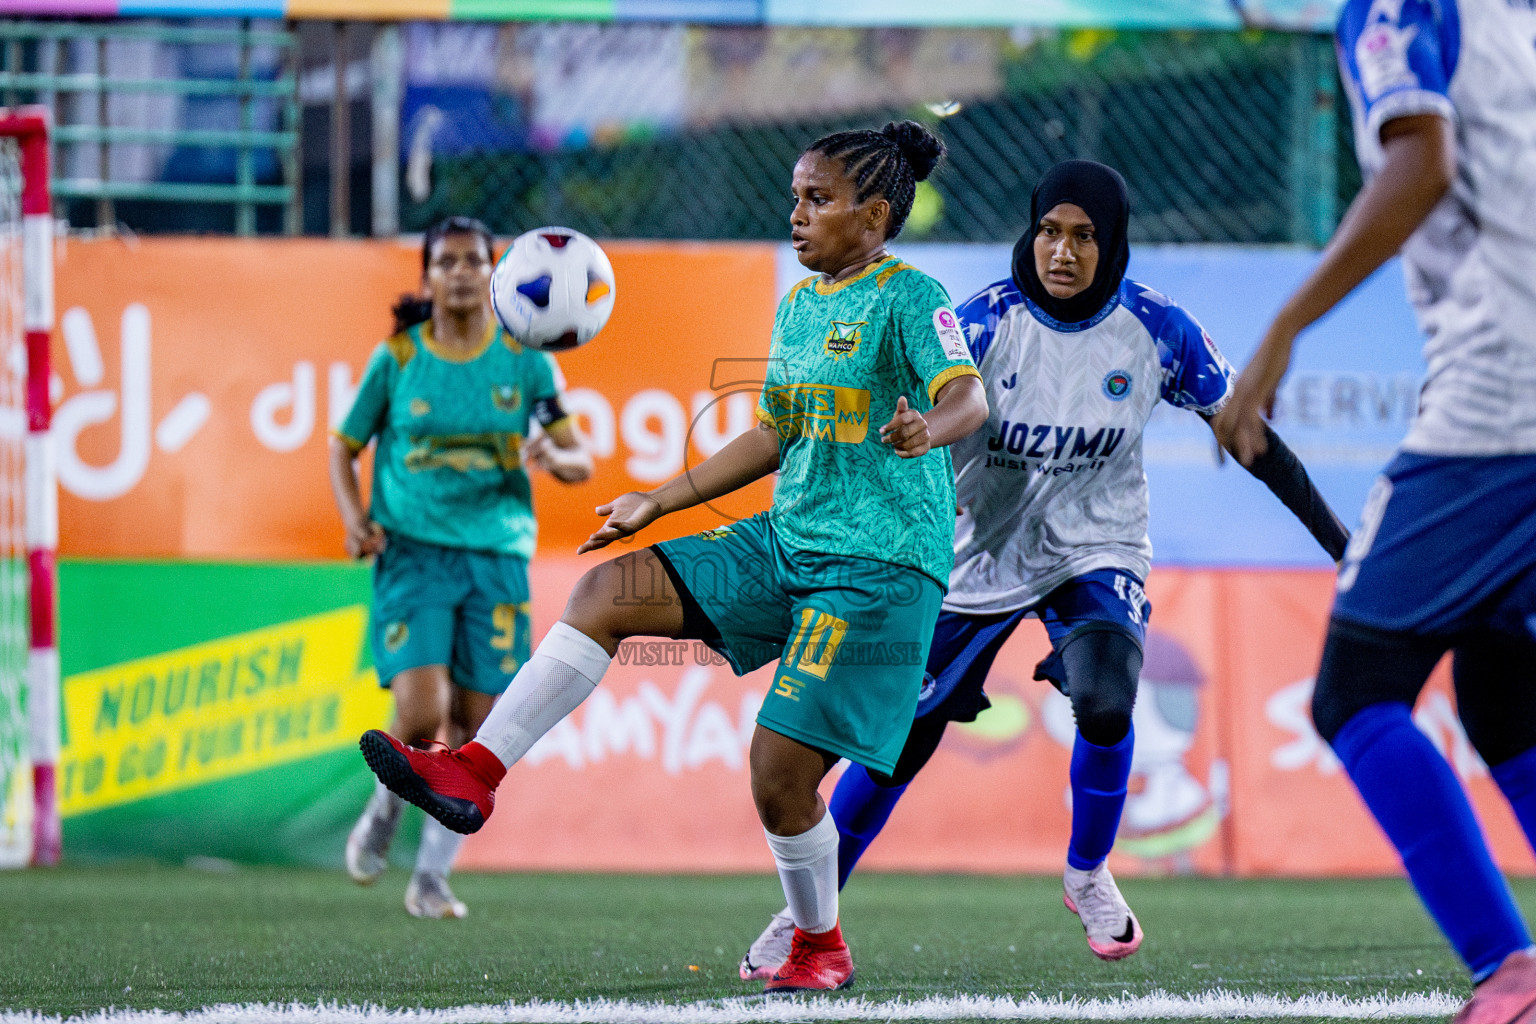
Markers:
{"x": 29, "y": 127}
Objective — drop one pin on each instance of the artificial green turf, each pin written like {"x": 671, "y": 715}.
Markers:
{"x": 82, "y": 939}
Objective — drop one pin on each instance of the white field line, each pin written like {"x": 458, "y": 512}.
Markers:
{"x": 1216, "y": 1004}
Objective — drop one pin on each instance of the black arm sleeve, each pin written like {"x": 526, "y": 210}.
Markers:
{"x": 1282, "y": 472}
{"x": 548, "y": 410}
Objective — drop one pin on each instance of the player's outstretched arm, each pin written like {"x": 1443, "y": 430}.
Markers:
{"x": 560, "y": 452}
{"x": 364, "y": 536}
{"x": 750, "y": 456}
{"x": 961, "y": 408}
{"x": 1278, "y": 468}
{"x": 1420, "y": 168}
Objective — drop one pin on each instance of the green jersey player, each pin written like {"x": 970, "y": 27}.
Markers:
{"x": 839, "y": 582}
{"x": 450, "y": 400}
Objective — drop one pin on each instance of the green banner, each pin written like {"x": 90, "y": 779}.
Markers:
{"x": 213, "y": 710}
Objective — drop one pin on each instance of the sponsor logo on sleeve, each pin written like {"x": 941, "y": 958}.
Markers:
{"x": 950, "y": 336}
{"x": 1381, "y": 52}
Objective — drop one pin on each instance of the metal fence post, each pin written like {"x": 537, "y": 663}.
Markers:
{"x": 106, "y": 213}
{"x": 293, "y": 121}
{"x": 341, "y": 137}
{"x": 387, "y": 74}
{"x": 245, "y": 168}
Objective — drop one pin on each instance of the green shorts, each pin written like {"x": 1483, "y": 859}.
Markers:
{"x": 850, "y": 634}
{"x": 464, "y": 609}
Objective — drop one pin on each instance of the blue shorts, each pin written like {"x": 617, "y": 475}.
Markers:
{"x": 468, "y": 610}
{"x": 1445, "y": 545}
{"x": 964, "y": 646}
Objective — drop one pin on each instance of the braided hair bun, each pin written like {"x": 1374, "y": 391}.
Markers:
{"x": 920, "y": 147}
{"x": 889, "y": 162}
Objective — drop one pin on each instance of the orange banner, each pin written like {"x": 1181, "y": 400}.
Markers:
{"x": 198, "y": 379}
{"x": 1229, "y": 776}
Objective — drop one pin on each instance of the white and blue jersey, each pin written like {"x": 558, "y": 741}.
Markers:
{"x": 1053, "y": 487}
{"x": 1471, "y": 266}
{"x": 1447, "y": 541}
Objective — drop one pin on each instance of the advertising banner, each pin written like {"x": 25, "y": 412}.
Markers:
{"x": 1315, "y": 15}
{"x": 213, "y": 639}
{"x": 213, "y": 710}
{"x": 198, "y": 379}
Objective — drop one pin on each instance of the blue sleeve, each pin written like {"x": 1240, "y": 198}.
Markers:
{"x": 981, "y": 313}
{"x": 1398, "y": 58}
{"x": 1195, "y": 373}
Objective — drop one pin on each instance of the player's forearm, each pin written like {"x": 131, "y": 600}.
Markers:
{"x": 343, "y": 473}
{"x": 1420, "y": 167}
{"x": 568, "y": 459}
{"x": 958, "y": 413}
{"x": 748, "y": 457}
{"x": 1282, "y": 472}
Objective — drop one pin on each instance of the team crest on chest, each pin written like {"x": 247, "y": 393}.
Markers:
{"x": 1117, "y": 385}
{"x": 843, "y": 339}
{"x": 420, "y": 407}
{"x": 507, "y": 397}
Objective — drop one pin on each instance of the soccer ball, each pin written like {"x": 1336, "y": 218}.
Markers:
{"x": 553, "y": 289}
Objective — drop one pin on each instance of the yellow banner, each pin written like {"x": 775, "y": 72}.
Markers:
{"x": 224, "y": 707}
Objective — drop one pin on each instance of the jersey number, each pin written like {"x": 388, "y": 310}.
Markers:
{"x": 817, "y": 649}
{"x": 512, "y": 623}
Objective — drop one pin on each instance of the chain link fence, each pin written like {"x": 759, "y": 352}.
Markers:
{"x": 1222, "y": 137}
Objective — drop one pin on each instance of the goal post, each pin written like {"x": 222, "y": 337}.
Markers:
{"x": 29, "y": 674}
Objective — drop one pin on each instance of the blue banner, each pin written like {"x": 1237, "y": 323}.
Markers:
{"x": 1343, "y": 408}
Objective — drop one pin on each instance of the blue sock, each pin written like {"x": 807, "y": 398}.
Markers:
{"x": 1517, "y": 781}
{"x": 1423, "y": 810}
{"x": 860, "y": 809}
{"x": 1099, "y": 777}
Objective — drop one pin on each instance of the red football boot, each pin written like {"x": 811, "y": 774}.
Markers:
{"x": 1507, "y": 996}
{"x": 457, "y": 787}
{"x": 817, "y": 962}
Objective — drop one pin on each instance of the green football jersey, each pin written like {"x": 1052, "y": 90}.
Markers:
{"x": 448, "y": 469}
{"x": 841, "y": 356}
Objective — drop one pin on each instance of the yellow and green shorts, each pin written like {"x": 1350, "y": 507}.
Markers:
{"x": 457, "y": 607}
{"x": 850, "y": 635}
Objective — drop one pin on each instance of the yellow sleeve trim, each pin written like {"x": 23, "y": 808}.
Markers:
{"x": 403, "y": 347}
{"x": 890, "y": 272}
{"x": 948, "y": 375}
{"x": 763, "y": 416}
{"x": 351, "y": 442}
{"x": 563, "y": 419}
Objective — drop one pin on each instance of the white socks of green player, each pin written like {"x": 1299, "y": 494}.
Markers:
{"x": 384, "y": 806}
{"x": 566, "y": 668}
{"x": 439, "y": 846}
{"x": 808, "y": 868}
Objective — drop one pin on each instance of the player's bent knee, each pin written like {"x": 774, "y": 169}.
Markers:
{"x": 1102, "y": 663}
{"x": 1363, "y": 666}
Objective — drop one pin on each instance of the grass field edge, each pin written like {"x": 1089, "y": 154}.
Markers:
{"x": 1162, "y": 1006}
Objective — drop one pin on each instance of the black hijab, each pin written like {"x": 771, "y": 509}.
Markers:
{"x": 1100, "y": 192}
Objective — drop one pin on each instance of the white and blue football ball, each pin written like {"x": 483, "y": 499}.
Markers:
{"x": 553, "y": 289}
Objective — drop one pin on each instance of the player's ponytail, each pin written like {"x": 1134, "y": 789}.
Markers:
{"x": 889, "y": 162}
{"x": 411, "y": 310}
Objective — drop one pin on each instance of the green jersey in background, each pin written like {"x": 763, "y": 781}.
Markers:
{"x": 449, "y": 465}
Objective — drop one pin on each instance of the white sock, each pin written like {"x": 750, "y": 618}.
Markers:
{"x": 439, "y": 845}
{"x": 808, "y": 868}
{"x": 566, "y": 668}
{"x": 385, "y": 805}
